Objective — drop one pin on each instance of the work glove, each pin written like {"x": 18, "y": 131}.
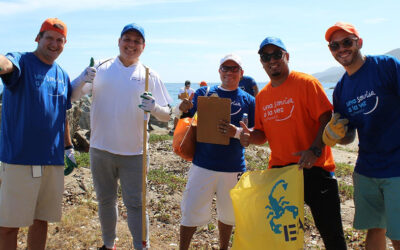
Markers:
{"x": 148, "y": 102}
{"x": 335, "y": 130}
{"x": 87, "y": 75}
{"x": 70, "y": 162}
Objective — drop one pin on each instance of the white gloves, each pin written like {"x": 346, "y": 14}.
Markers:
{"x": 148, "y": 102}
{"x": 88, "y": 75}
{"x": 70, "y": 161}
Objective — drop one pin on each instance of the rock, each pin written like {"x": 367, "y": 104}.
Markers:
{"x": 154, "y": 121}
{"x": 81, "y": 140}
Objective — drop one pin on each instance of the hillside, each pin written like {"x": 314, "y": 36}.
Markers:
{"x": 334, "y": 74}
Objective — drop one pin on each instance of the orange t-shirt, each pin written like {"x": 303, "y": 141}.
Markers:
{"x": 289, "y": 116}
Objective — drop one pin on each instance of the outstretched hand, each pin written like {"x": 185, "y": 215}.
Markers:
{"x": 245, "y": 135}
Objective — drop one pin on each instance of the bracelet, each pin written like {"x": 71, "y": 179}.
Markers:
{"x": 238, "y": 132}
{"x": 68, "y": 147}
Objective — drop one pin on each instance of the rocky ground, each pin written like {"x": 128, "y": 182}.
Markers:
{"x": 164, "y": 200}
{"x": 80, "y": 228}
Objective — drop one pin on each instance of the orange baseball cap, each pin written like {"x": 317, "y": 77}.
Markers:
{"x": 341, "y": 26}
{"x": 54, "y": 24}
{"x": 203, "y": 83}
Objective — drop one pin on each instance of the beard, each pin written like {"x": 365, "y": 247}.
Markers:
{"x": 274, "y": 74}
{"x": 349, "y": 60}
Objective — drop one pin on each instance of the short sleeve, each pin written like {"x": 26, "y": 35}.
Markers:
{"x": 12, "y": 78}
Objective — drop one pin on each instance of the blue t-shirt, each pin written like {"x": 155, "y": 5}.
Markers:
{"x": 370, "y": 99}
{"x": 247, "y": 83}
{"x": 35, "y": 99}
{"x": 225, "y": 158}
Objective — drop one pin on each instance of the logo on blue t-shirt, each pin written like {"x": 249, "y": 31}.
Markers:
{"x": 365, "y": 103}
{"x": 235, "y": 107}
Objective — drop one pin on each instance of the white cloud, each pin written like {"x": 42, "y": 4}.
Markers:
{"x": 376, "y": 20}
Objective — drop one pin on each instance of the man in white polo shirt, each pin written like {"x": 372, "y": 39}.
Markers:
{"x": 116, "y": 141}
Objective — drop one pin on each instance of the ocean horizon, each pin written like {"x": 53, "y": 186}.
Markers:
{"x": 173, "y": 88}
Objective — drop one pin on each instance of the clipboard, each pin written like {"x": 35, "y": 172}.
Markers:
{"x": 210, "y": 110}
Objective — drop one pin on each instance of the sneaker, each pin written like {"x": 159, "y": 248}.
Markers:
{"x": 105, "y": 248}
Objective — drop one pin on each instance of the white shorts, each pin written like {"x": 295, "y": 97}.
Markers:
{"x": 24, "y": 198}
{"x": 200, "y": 189}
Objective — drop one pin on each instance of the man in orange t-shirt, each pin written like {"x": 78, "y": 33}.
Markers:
{"x": 291, "y": 113}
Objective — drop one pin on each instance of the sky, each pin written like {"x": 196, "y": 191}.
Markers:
{"x": 185, "y": 39}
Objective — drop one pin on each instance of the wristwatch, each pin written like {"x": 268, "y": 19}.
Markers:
{"x": 316, "y": 151}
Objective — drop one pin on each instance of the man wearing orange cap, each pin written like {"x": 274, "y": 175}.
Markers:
{"x": 36, "y": 96}
{"x": 366, "y": 99}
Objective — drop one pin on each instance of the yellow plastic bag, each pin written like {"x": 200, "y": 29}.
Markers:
{"x": 269, "y": 209}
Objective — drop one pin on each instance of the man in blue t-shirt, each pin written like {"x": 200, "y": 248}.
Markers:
{"x": 249, "y": 85}
{"x": 367, "y": 99}
{"x": 216, "y": 168}
{"x": 36, "y": 96}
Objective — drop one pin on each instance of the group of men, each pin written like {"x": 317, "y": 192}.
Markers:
{"x": 292, "y": 113}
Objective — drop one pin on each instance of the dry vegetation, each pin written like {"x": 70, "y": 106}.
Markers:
{"x": 80, "y": 229}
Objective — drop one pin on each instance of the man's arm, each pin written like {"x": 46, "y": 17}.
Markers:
{"x": 6, "y": 65}
{"x": 323, "y": 120}
{"x": 248, "y": 137}
{"x": 67, "y": 135}
{"x": 86, "y": 78}
{"x": 309, "y": 156}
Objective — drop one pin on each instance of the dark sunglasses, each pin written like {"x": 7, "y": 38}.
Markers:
{"x": 277, "y": 55}
{"x": 233, "y": 69}
{"x": 345, "y": 43}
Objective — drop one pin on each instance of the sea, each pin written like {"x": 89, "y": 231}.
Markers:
{"x": 173, "y": 88}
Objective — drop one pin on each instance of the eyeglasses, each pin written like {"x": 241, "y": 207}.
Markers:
{"x": 277, "y": 55}
{"x": 233, "y": 69}
{"x": 345, "y": 43}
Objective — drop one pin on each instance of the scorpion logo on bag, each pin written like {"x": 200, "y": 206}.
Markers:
{"x": 277, "y": 207}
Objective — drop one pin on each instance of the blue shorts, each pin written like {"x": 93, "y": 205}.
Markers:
{"x": 377, "y": 204}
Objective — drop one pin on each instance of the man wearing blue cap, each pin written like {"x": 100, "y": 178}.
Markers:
{"x": 291, "y": 113}
{"x": 116, "y": 141}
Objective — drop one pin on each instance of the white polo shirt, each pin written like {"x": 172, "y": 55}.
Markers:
{"x": 116, "y": 120}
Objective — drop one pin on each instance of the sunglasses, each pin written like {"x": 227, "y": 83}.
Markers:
{"x": 233, "y": 69}
{"x": 345, "y": 43}
{"x": 277, "y": 55}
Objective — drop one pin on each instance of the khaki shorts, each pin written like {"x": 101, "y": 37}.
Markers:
{"x": 24, "y": 198}
{"x": 202, "y": 186}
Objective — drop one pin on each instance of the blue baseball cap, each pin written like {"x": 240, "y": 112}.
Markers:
{"x": 273, "y": 41}
{"x": 134, "y": 27}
